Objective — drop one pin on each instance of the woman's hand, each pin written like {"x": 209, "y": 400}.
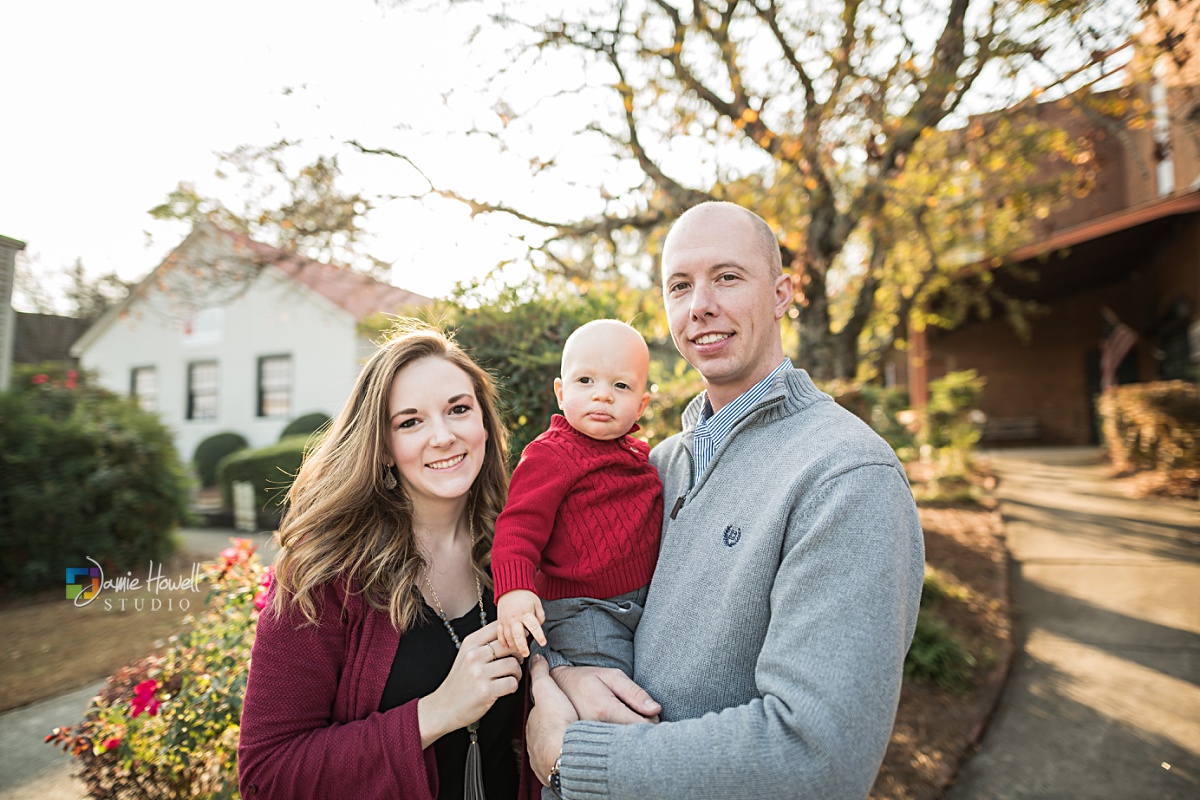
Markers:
{"x": 483, "y": 671}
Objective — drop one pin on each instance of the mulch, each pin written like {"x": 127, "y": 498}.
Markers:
{"x": 937, "y": 729}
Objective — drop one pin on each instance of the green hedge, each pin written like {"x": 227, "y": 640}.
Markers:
{"x": 83, "y": 473}
{"x": 1152, "y": 425}
{"x": 210, "y": 452}
{"x": 270, "y": 469}
{"x": 309, "y": 423}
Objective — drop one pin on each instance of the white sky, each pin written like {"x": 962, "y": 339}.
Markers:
{"x": 109, "y": 105}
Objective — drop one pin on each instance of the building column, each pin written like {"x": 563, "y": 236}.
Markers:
{"x": 8, "y": 327}
{"x": 918, "y": 366}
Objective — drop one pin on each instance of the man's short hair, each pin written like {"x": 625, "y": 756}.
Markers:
{"x": 768, "y": 245}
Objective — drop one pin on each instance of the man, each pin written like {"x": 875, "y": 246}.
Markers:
{"x": 788, "y": 579}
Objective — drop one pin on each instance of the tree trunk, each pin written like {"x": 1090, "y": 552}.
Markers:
{"x": 817, "y": 352}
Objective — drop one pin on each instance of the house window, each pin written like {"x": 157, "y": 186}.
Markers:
{"x": 143, "y": 387}
{"x": 274, "y": 386}
{"x": 202, "y": 390}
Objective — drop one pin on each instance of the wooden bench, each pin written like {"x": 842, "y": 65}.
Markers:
{"x": 1012, "y": 429}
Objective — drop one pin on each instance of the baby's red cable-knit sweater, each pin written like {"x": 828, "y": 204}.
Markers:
{"x": 583, "y": 517}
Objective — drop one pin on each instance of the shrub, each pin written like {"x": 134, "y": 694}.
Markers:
{"x": 877, "y": 406}
{"x": 83, "y": 473}
{"x": 936, "y": 588}
{"x": 949, "y": 421}
{"x": 305, "y": 425}
{"x": 672, "y": 387}
{"x": 270, "y": 469}
{"x": 210, "y": 451}
{"x": 937, "y": 654}
{"x": 949, "y": 432}
{"x": 167, "y": 725}
{"x": 1152, "y": 426}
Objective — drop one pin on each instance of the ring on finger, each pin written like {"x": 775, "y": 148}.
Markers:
{"x": 492, "y": 650}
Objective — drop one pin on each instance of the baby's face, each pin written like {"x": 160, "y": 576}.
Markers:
{"x": 602, "y": 391}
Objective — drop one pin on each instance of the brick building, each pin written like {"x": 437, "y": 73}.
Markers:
{"x": 1127, "y": 253}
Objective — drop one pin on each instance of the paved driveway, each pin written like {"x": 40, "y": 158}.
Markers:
{"x": 1104, "y": 697}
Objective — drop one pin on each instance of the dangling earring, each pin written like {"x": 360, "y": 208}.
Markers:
{"x": 389, "y": 479}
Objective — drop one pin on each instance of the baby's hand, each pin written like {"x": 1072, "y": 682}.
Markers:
{"x": 518, "y": 611}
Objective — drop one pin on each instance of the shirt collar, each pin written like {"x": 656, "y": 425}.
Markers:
{"x": 742, "y": 403}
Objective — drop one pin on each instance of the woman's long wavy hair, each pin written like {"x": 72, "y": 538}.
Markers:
{"x": 344, "y": 526}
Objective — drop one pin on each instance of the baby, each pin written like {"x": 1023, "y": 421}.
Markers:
{"x": 577, "y": 542}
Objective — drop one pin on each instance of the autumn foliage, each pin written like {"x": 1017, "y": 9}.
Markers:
{"x": 1154, "y": 427}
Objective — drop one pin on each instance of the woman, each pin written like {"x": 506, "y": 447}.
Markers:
{"x": 378, "y": 647}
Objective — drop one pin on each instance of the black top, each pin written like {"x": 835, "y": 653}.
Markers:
{"x": 422, "y": 662}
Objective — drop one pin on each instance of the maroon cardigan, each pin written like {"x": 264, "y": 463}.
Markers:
{"x": 311, "y": 725}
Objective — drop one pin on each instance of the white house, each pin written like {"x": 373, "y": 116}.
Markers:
{"x": 229, "y": 334}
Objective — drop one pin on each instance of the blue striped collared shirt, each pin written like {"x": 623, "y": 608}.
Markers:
{"x": 712, "y": 429}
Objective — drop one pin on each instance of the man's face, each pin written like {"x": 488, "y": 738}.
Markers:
{"x": 723, "y": 307}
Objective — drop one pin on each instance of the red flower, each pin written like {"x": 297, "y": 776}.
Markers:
{"x": 111, "y": 744}
{"x": 71, "y": 376}
{"x": 37, "y": 379}
{"x": 144, "y": 699}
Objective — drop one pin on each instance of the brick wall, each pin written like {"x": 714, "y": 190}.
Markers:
{"x": 1053, "y": 376}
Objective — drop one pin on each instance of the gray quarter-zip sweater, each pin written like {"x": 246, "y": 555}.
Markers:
{"x": 778, "y": 617}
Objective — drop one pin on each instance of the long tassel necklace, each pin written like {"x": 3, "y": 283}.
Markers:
{"x": 473, "y": 778}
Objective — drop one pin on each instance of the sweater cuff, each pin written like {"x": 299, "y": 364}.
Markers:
{"x": 513, "y": 575}
{"x": 586, "y": 750}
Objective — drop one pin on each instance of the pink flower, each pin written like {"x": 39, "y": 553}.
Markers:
{"x": 144, "y": 699}
{"x": 111, "y": 744}
{"x": 38, "y": 379}
{"x": 237, "y": 553}
{"x": 264, "y": 588}
{"x": 72, "y": 375}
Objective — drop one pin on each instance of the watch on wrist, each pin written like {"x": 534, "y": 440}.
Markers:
{"x": 555, "y": 779}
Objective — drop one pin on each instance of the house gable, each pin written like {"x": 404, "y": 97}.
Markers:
{"x": 225, "y": 322}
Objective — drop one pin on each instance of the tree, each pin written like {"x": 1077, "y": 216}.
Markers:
{"x": 299, "y": 210}
{"x": 67, "y": 290}
{"x": 855, "y": 128}
{"x": 91, "y": 297}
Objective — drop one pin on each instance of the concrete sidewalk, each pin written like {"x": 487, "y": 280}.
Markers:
{"x": 31, "y": 770}
{"x": 1104, "y": 697}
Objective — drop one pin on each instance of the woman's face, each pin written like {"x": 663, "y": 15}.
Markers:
{"x": 436, "y": 436}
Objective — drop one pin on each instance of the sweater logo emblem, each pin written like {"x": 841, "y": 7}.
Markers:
{"x": 732, "y": 536}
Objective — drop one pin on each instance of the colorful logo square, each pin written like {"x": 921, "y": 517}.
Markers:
{"x": 83, "y": 583}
